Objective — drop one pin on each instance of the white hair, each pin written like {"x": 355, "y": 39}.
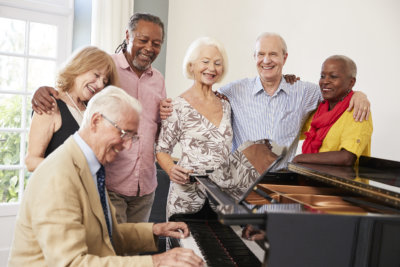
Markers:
{"x": 272, "y": 34}
{"x": 193, "y": 53}
{"x": 349, "y": 63}
{"x": 109, "y": 102}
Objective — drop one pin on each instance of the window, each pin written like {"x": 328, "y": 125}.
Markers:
{"x": 35, "y": 40}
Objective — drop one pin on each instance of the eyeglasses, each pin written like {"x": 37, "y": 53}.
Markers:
{"x": 124, "y": 134}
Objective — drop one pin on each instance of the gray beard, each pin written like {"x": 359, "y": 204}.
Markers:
{"x": 140, "y": 67}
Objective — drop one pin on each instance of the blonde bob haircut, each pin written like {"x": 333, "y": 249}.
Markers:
{"x": 193, "y": 52}
{"x": 82, "y": 61}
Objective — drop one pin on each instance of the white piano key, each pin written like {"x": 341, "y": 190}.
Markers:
{"x": 253, "y": 246}
{"x": 189, "y": 242}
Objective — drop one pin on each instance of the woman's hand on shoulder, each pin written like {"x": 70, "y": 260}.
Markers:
{"x": 291, "y": 78}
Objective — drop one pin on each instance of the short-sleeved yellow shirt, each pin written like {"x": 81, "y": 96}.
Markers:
{"x": 346, "y": 133}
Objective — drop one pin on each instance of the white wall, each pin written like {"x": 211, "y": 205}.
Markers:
{"x": 368, "y": 31}
{"x": 7, "y": 225}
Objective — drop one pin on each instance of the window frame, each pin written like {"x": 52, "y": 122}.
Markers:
{"x": 54, "y": 12}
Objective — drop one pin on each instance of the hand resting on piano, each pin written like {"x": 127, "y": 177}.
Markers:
{"x": 177, "y": 256}
{"x": 254, "y": 234}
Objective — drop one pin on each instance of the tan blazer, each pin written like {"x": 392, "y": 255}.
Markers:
{"x": 61, "y": 221}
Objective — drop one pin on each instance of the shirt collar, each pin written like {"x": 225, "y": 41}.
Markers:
{"x": 123, "y": 63}
{"x": 284, "y": 86}
{"x": 93, "y": 162}
{"x": 258, "y": 87}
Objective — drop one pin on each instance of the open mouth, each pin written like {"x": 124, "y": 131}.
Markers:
{"x": 209, "y": 76}
{"x": 145, "y": 57}
{"x": 91, "y": 89}
{"x": 267, "y": 67}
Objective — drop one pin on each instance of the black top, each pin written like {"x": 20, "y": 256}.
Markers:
{"x": 68, "y": 127}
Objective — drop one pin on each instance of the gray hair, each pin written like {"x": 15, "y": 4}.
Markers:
{"x": 193, "y": 53}
{"x": 132, "y": 24}
{"x": 109, "y": 102}
{"x": 348, "y": 62}
{"x": 133, "y": 21}
{"x": 271, "y": 34}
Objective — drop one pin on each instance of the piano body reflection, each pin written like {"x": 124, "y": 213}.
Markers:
{"x": 314, "y": 215}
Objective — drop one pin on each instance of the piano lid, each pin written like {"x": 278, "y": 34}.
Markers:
{"x": 373, "y": 177}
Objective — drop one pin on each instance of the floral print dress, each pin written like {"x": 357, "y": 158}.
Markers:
{"x": 204, "y": 147}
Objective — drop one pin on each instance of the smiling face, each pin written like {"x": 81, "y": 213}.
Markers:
{"x": 144, "y": 45}
{"x": 270, "y": 58}
{"x": 208, "y": 68}
{"x": 336, "y": 81}
{"x": 89, "y": 83}
{"x": 108, "y": 138}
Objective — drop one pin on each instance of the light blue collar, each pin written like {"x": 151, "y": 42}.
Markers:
{"x": 93, "y": 162}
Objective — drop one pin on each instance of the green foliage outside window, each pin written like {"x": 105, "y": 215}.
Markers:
{"x": 9, "y": 185}
{"x": 21, "y": 72}
{"x": 10, "y": 110}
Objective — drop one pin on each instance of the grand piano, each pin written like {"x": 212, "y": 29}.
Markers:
{"x": 313, "y": 215}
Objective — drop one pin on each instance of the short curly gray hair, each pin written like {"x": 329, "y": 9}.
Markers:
{"x": 349, "y": 63}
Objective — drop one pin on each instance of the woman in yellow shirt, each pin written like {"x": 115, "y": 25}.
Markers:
{"x": 333, "y": 137}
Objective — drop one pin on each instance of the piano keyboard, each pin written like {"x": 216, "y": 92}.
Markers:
{"x": 220, "y": 245}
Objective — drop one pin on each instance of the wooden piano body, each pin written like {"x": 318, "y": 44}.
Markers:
{"x": 320, "y": 215}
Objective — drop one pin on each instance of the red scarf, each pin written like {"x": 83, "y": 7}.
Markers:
{"x": 322, "y": 122}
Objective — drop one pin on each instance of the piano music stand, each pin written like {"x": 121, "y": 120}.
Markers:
{"x": 273, "y": 164}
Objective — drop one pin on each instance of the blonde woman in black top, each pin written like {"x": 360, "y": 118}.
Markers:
{"x": 85, "y": 74}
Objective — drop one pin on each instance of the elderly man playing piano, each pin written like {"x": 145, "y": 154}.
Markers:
{"x": 66, "y": 218}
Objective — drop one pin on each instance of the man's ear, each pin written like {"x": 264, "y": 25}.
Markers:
{"x": 284, "y": 58}
{"x": 127, "y": 36}
{"x": 95, "y": 120}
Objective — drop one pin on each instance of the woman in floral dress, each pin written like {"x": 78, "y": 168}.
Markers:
{"x": 201, "y": 124}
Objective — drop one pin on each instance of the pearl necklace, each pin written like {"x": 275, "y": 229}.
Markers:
{"x": 75, "y": 105}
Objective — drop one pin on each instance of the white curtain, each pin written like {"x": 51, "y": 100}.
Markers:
{"x": 109, "y": 21}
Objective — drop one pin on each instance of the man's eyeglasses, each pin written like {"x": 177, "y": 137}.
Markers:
{"x": 124, "y": 134}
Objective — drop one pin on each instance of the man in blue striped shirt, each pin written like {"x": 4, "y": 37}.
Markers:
{"x": 268, "y": 107}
